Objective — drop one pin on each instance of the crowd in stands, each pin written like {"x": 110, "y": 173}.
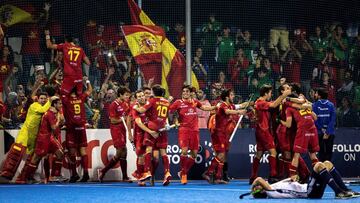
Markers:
{"x": 223, "y": 56}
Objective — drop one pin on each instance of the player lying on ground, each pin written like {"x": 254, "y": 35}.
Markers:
{"x": 324, "y": 174}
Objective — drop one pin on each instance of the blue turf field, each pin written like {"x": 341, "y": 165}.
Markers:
{"x": 194, "y": 191}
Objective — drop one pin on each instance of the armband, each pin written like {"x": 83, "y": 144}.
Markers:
{"x": 87, "y": 81}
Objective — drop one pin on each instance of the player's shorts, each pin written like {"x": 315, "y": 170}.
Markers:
{"x": 46, "y": 144}
{"x": 118, "y": 135}
{"x": 160, "y": 142}
{"x": 306, "y": 140}
{"x": 69, "y": 83}
{"x": 139, "y": 142}
{"x": 316, "y": 187}
{"x": 264, "y": 140}
{"x": 75, "y": 137}
{"x": 188, "y": 138}
{"x": 220, "y": 141}
{"x": 283, "y": 140}
{"x": 27, "y": 137}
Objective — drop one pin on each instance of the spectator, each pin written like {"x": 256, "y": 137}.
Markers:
{"x": 200, "y": 68}
{"x": 180, "y": 38}
{"x": 6, "y": 66}
{"x": 222, "y": 82}
{"x": 243, "y": 40}
{"x": 319, "y": 45}
{"x": 327, "y": 84}
{"x": 226, "y": 49}
{"x": 291, "y": 60}
{"x": 340, "y": 44}
{"x": 354, "y": 58}
{"x": 202, "y": 115}
{"x": 210, "y": 31}
{"x": 347, "y": 115}
{"x": 237, "y": 69}
{"x": 347, "y": 87}
{"x": 330, "y": 64}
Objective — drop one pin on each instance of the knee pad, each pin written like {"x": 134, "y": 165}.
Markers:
{"x": 13, "y": 160}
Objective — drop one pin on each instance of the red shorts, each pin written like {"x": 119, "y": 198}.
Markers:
{"x": 139, "y": 142}
{"x": 283, "y": 139}
{"x": 220, "y": 141}
{"x": 188, "y": 138}
{"x": 160, "y": 142}
{"x": 46, "y": 145}
{"x": 75, "y": 137}
{"x": 306, "y": 140}
{"x": 118, "y": 135}
{"x": 264, "y": 140}
{"x": 69, "y": 83}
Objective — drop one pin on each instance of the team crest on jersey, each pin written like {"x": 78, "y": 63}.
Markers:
{"x": 147, "y": 43}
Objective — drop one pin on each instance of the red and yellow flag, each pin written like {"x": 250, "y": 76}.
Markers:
{"x": 144, "y": 42}
{"x": 173, "y": 62}
{"x": 10, "y": 15}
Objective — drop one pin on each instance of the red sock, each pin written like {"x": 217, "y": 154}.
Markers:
{"x": 255, "y": 167}
{"x": 123, "y": 165}
{"x": 109, "y": 165}
{"x": 27, "y": 172}
{"x": 214, "y": 164}
{"x": 140, "y": 169}
{"x": 287, "y": 164}
{"x": 137, "y": 166}
{"x": 85, "y": 163}
{"x": 219, "y": 170}
{"x": 272, "y": 164}
{"x": 56, "y": 167}
{"x": 155, "y": 164}
{"x": 166, "y": 163}
{"x": 189, "y": 163}
{"x": 183, "y": 163}
{"x": 148, "y": 162}
{"x": 303, "y": 169}
{"x": 72, "y": 165}
{"x": 292, "y": 170}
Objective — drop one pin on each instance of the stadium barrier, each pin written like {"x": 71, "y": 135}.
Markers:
{"x": 100, "y": 149}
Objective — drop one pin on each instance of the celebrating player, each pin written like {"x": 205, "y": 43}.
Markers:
{"x": 25, "y": 141}
{"x": 74, "y": 56}
{"x": 46, "y": 141}
{"x": 220, "y": 138}
{"x": 119, "y": 117}
{"x": 76, "y": 141}
{"x": 264, "y": 139}
{"x": 157, "y": 109}
{"x": 188, "y": 130}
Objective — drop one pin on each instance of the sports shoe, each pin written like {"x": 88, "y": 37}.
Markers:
{"x": 220, "y": 181}
{"x": 167, "y": 179}
{"x": 145, "y": 176}
{"x": 136, "y": 175}
{"x": 85, "y": 178}
{"x": 184, "y": 179}
{"x": 58, "y": 179}
{"x": 354, "y": 193}
{"x": 141, "y": 184}
{"x": 343, "y": 195}
{"x": 74, "y": 178}
{"x": 127, "y": 179}
{"x": 100, "y": 175}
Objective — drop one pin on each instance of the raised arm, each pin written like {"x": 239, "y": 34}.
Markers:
{"x": 49, "y": 44}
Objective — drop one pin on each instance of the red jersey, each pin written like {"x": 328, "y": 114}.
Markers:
{"x": 73, "y": 58}
{"x": 74, "y": 109}
{"x": 135, "y": 115}
{"x": 222, "y": 120}
{"x": 188, "y": 116}
{"x": 157, "y": 109}
{"x": 302, "y": 117}
{"x": 262, "y": 114}
{"x": 118, "y": 109}
{"x": 48, "y": 119}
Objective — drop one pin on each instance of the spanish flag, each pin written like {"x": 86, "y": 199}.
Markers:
{"x": 173, "y": 62}
{"x": 144, "y": 42}
{"x": 10, "y": 15}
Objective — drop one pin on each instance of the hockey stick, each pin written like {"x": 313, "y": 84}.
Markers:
{"x": 241, "y": 117}
{"x": 169, "y": 128}
{"x": 127, "y": 130}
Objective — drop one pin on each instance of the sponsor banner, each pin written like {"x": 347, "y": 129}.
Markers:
{"x": 100, "y": 150}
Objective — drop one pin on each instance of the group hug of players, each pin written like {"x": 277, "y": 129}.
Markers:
{"x": 149, "y": 116}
